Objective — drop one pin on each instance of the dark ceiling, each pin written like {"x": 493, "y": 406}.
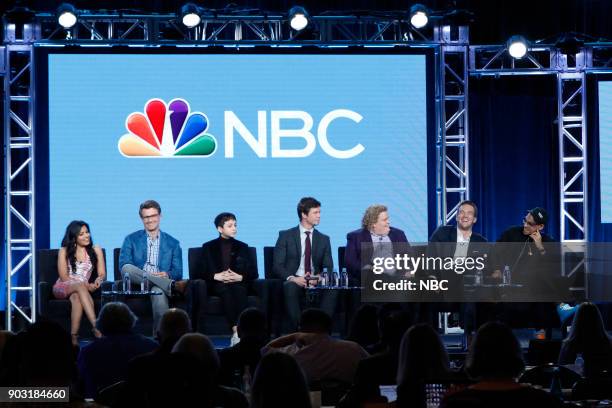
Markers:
{"x": 495, "y": 20}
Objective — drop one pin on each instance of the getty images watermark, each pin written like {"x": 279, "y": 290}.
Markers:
{"x": 469, "y": 272}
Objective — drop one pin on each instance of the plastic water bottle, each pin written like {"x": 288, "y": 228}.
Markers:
{"x": 506, "y": 276}
{"x": 579, "y": 364}
{"x": 334, "y": 281}
{"x": 144, "y": 283}
{"x": 478, "y": 277}
{"x": 344, "y": 278}
{"x": 126, "y": 282}
{"x": 324, "y": 276}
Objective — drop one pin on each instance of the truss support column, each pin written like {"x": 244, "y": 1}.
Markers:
{"x": 452, "y": 129}
{"x": 19, "y": 198}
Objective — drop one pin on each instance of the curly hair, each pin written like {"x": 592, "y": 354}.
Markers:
{"x": 371, "y": 215}
{"x": 69, "y": 242}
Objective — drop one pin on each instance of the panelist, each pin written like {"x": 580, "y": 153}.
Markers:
{"x": 227, "y": 267}
{"x": 157, "y": 253}
{"x": 377, "y": 232}
{"x": 303, "y": 252}
{"x": 460, "y": 241}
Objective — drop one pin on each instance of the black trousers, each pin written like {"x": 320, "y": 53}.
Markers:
{"x": 295, "y": 295}
{"x": 234, "y": 299}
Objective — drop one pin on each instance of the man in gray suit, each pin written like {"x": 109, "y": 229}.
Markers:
{"x": 300, "y": 253}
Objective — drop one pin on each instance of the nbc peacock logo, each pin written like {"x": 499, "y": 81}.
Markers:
{"x": 167, "y": 130}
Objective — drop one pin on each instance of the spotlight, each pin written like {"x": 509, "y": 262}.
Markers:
{"x": 517, "y": 46}
{"x": 190, "y": 15}
{"x": 66, "y": 15}
{"x": 419, "y": 16}
{"x": 298, "y": 18}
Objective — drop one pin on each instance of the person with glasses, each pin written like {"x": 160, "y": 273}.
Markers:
{"x": 527, "y": 251}
{"x": 157, "y": 253}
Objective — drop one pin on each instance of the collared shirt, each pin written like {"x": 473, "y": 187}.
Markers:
{"x": 301, "y": 269}
{"x": 383, "y": 248}
{"x": 461, "y": 250}
{"x": 152, "y": 254}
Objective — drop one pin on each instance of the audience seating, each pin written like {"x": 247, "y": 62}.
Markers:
{"x": 210, "y": 314}
{"x": 542, "y": 375}
{"x": 58, "y": 310}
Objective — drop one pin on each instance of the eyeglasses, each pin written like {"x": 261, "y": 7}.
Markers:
{"x": 530, "y": 223}
{"x": 150, "y": 217}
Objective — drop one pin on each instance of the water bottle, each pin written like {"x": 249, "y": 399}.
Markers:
{"x": 506, "y": 276}
{"x": 579, "y": 364}
{"x": 478, "y": 277}
{"x": 324, "y": 275}
{"x": 144, "y": 283}
{"x": 126, "y": 282}
{"x": 555, "y": 384}
{"x": 334, "y": 281}
{"x": 344, "y": 278}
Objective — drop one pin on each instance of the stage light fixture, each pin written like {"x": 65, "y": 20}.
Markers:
{"x": 298, "y": 18}
{"x": 66, "y": 15}
{"x": 190, "y": 15}
{"x": 419, "y": 15}
{"x": 517, "y": 46}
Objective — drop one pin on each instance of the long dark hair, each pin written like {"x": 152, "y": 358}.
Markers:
{"x": 588, "y": 330}
{"x": 279, "y": 382}
{"x": 422, "y": 355}
{"x": 69, "y": 242}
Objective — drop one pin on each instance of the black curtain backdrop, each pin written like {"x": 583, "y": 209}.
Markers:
{"x": 513, "y": 150}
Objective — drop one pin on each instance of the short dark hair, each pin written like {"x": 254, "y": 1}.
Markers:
{"x": 149, "y": 204}
{"x": 222, "y": 218}
{"x": 315, "y": 321}
{"x": 470, "y": 203}
{"x": 252, "y": 323}
{"x": 305, "y": 204}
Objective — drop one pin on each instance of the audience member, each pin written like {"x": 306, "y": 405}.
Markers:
{"x": 39, "y": 356}
{"x": 422, "y": 357}
{"x": 381, "y": 368}
{"x": 143, "y": 371}
{"x": 279, "y": 382}
{"x": 588, "y": 337}
{"x": 363, "y": 328}
{"x": 321, "y": 356}
{"x": 495, "y": 360}
{"x": 193, "y": 377}
{"x": 104, "y": 361}
{"x": 241, "y": 359}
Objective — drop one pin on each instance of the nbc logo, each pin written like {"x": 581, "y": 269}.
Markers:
{"x": 167, "y": 130}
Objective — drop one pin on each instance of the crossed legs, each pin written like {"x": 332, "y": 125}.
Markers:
{"x": 81, "y": 301}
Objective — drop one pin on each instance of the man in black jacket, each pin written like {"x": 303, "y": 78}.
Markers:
{"x": 227, "y": 267}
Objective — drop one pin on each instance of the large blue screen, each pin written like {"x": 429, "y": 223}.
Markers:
{"x": 350, "y": 130}
{"x": 605, "y": 149}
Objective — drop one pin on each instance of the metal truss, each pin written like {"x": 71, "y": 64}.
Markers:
{"x": 19, "y": 173}
{"x": 159, "y": 29}
{"x": 99, "y": 29}
{"x": 452, "y": 136}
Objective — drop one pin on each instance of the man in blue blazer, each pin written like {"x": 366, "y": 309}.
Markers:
{"x": 156, "y": 252}
{"x": 303, "y": 252}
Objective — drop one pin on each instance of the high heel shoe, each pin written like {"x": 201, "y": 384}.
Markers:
{"x": 96, "y": 333}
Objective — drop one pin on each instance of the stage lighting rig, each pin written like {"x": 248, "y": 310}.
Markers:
{"x": 190, "y": 15}
{"x": 419, "y": 15}
{"x": 298, "y": 18}
{"x": 517, "y": 46}
{"x": 66, "y": 15}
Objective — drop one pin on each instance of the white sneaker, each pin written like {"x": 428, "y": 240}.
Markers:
{"x": 234, "y": 340}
